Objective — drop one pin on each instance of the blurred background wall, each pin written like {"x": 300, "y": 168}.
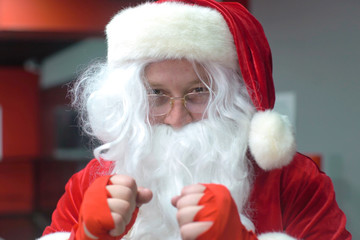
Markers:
{"x": 316, "y": 55}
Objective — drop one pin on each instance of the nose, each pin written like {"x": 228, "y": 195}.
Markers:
{"x": 178, "y": 115}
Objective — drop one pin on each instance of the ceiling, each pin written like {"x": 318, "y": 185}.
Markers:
{"x": 33, "y": 31}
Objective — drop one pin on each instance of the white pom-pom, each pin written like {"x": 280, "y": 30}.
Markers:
{"x": 271, "y": 140}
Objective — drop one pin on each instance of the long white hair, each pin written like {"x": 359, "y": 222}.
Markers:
{"x": 113, "y": 105}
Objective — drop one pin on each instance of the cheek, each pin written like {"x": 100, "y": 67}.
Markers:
{"x": 156, "y": 120}
{"x": 198, "y": 116}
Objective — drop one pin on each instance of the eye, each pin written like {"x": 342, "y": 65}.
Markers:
{"x": 156, "y": 91}
{"x": 199, "y": 89}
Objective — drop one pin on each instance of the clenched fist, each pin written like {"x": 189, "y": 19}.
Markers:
{"x": 188, "y": 206}
{"x": 109, "y": 207}
{"x": 208, "y": 212}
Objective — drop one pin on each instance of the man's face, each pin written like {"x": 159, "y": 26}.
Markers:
{"x": 176, "y": 78}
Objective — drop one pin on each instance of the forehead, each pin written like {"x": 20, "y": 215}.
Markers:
{"x": 173, "y": 72}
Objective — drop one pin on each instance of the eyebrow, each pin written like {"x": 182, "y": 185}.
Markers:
{"x": 196, "y": 81}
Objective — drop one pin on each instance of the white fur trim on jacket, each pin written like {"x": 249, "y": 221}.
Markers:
{"x": 275, "y": 236}
{"x": 271, "y": 140}
{"x": 56, "y": 236}
{"x": 170, "y": 30}
{"x": 265, "y": 236}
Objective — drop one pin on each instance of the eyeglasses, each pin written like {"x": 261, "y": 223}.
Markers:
{"x": 161, "y": 104}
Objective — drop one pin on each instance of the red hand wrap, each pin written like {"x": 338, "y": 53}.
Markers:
{"x": 220, "y": 208}
{"x": 96, "y": 215}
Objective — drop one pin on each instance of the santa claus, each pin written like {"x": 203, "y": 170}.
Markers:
{"x": 190, "y": 148}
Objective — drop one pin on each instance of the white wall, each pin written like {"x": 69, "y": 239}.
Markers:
{"x": 316, "y": 52}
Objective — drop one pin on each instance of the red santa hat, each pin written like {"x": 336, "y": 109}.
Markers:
{"x": 206, "y": 30}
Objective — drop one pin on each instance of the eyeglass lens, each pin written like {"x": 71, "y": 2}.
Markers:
{"x": 162, "y": 104}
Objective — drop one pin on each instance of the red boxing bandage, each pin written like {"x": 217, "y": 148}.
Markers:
{"x": 220, "y": 208}
{"x": 95, "y": 213}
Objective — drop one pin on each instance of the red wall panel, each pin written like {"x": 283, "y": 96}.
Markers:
{"x": 19, "y": 100}
{"x": 17, "y": 187}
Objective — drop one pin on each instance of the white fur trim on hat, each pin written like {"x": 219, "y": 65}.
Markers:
{"x": 271, "y": 140}
{"x": 56, "y": 236}
{"x": 170, "y": 30}
{"x": 275, "y": 236}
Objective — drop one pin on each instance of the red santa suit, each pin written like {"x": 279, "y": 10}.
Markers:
{"x": 297, "y": 200}
{"x": 290, "y": 197}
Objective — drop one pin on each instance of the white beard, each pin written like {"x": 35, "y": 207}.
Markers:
{"x": 198, "y": 153}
